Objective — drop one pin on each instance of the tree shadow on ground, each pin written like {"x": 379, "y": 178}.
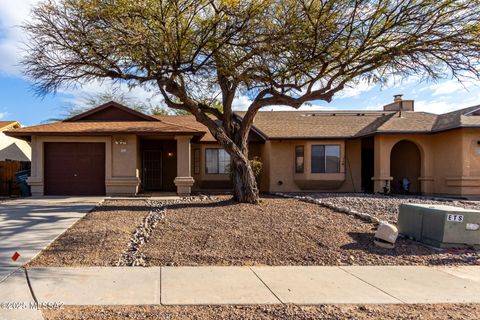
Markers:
{"x": 214, "y": 204}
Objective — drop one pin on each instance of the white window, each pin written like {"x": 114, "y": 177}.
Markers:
{"x": 217, "y": 161}
{"x": 325, "y": 158}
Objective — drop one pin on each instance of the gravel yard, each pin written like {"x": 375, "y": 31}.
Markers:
{"x": 278, "y": 231}
{"x": 219, "y": 231}
{"x": 330, "y": 312}
{"x": 385, "y": 207}
{"x": 98, "y": 239}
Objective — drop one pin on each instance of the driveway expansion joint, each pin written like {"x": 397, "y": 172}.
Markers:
{"x": 30, "y": 285}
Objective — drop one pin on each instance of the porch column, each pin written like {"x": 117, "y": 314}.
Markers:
{"x": 382, "y": 178}
{"x": 184, "y": 180}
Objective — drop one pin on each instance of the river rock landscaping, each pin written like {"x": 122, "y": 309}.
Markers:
{"x": 278, "y": 231}
{"x": 383, "y": 207}
{"x": 218, "y": 231}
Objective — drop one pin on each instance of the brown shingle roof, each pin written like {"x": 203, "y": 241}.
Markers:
{"x": 188, "y": 121}
{"x": 101, "y": 127}
{"x": 318, "y": 124}
{"x": 274, "y": 124}
{"x": 409, "y": 121}
{"x": 457, "y": 119}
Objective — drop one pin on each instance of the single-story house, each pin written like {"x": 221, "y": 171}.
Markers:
{"x": 12, "y": 149}
{"x": 112, "y": 150}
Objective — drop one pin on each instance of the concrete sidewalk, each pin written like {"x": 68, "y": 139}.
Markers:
{"x": 241, "y": 285}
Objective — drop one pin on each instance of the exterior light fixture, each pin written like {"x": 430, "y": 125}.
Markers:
{"x": 120, "y": 142}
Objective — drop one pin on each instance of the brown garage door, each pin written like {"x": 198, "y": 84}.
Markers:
{"x": 74, "y": 168}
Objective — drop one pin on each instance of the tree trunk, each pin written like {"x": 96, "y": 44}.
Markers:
{"x": 244, "y": 184}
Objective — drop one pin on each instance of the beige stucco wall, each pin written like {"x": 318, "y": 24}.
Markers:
{"x": 450, "y": 164}
{"x": 14, "y": 149}
{"x": 450, "y": 161}
{"x": 459, "y": 172}
{"x": 223, "y": 181}
{"x": 281, "y": 167}
{"x": 125, "y": 177}
{"x": 383, "y": 147}
{"x": 121, "y": 174}
{"x": 202, "y": 179}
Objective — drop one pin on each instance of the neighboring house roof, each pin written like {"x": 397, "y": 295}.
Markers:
{"x": 8, "y": 124}
{"x": 10, "y": 148}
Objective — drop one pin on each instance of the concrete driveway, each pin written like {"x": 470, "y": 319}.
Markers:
{"x": 29, "y": 225}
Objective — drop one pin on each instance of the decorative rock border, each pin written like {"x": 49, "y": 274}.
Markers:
{"x": 158, "y": 212}
{"x": 132, "y": 256}
{"x": 327, "y": 204}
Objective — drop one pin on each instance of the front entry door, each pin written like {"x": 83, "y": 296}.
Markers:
{"x": 152, "y": 170}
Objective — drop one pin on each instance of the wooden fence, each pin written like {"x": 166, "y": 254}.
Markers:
{"x": 8, "y": 184}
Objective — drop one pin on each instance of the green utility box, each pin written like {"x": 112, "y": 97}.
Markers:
{"x": 440, "y": 226}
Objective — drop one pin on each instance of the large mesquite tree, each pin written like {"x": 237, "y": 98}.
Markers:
{"x": 197, "y": 53}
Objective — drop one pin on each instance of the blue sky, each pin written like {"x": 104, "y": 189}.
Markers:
{"x": 18, "y": 102}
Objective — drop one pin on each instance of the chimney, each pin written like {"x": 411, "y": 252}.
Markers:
{"x": 399, "y": 104}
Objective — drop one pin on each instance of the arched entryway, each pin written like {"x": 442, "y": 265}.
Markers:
{"x": 405, "y": 162}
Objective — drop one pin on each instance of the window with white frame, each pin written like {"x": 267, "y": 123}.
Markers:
{"x": 217, "y": 161}
{"x": 326, "y": 158}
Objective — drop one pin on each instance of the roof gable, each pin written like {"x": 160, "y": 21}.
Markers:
{"x": 111, "y": 111}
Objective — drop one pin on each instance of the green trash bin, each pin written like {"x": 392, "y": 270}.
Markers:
{"x": 21, "y": 177}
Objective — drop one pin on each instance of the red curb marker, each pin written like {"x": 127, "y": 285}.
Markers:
{"x": 15, "y": 256}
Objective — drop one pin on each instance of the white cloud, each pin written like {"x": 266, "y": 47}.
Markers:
{"x": 449, "y": 87}
{"x": 435, "y": 106}
{"x": 12, "y": 15}
{"x": 3, "y": 114}
{"x": 446, "y": 104}
{"x": 241, "y": 103}
{"x": 355, "y": 90}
